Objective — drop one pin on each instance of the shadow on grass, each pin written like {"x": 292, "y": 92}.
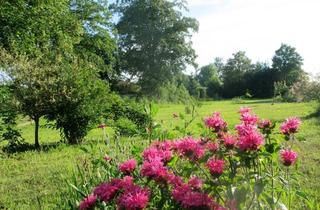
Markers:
{"x": 25, "y": 147}
{"x": 261, "y": 101}
{"x": 316, "y": 115}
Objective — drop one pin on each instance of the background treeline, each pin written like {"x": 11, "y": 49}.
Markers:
{"x": 75, "y": 63}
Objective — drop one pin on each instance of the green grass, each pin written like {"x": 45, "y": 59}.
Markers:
{"x": 34, "y": 180}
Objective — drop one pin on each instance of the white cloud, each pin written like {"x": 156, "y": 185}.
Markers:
{"x": 257, "y": 27}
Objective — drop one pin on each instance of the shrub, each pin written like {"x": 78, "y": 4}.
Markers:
{"x": 251, "y": 169}
{"x": 126, "y": 127}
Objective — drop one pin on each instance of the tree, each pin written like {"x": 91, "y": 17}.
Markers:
{"x": 233, "y": 75}
{"x": 154, "y": 41}
{"x": 208, "y": 77}
{"x": 287, "y": 64}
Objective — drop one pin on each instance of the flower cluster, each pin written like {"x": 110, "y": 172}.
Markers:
{"x": 219, "y": 154}
{"x": 216, "y": 123}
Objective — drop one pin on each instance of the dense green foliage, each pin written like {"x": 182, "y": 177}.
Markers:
{"x": 154, "y": 41}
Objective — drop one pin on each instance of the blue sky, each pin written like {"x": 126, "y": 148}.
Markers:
{"x": 257, "y": 27}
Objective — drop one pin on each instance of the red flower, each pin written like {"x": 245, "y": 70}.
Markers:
{"x": 88, "y": 202}
{"x": 190, "y": 148}
{"x": 229, "y": 141}
{"x": 102, "y": 125}
{"x": 128, "y": 166}
{"x": 288, "y": 157}
{"x": 215, "y": 166}
{"x": 195, "y": 183}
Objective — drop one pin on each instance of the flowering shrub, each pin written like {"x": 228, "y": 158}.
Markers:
{"x": 248, "y": 169}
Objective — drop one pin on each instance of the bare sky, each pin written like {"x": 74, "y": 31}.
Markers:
{"x": 257, "y": 27}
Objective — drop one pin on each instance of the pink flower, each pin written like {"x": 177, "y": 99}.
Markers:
{"x": 212, "y": 147}
{"x": 215, "y": 166}
{"x": 107, "y": 191}
{"x": 249, "y": 119}
{"x": 102, "y": 125}
{"x": 229, "y": 141}
{"x": 288, "y": 157}
{"x": 195, "y": 183}
{"x": 265, "y": 124}
{"x": 128, "y": 166}
{"x": 154, "y": 170}
{"x": 153, "y": 153}
{"x": 190, "y": 148}
{"x": 88, "y": 202}
{"x": 215, "y": 122}
{"x": 134, "y": 198}
{"x": 244, "y": 110}
{"x": 245, "y": 129}
{"x": 290, "y": 126}
{"x": 251, "y": 141}
{"x": 107, "y": 158}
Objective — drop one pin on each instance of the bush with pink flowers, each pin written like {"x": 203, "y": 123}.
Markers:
{"x": 250, "y": 167}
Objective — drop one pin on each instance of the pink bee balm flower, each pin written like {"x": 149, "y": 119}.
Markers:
{"x": 190, "y": 148}
{"x": 107, "y": 191}
{"x": 134, "y": 198}
{"x": 288, "y": 157}
{"x": 251, "y": 141}
{"x": 154, "y": 170}
{"x": 215, "y": 122}
{"x": 190, "y": 199}
{"x": 107, "y": 158}
{"x": 229, "y": 141}
{"x": 265, "y": 124}
{"x": 244, "y": 110}
{"x": 245, "y": 129}
{"x": 290, "y": 126}
{"x": 102, "y": 125}
{"x": 249, "y": 119}
{"x": 215, "y": 166}
{"x": 195, "y": 183}
{"x": 212, "y": 147}
{"x": 128, "y": 166}
{"x": 153, "y": 153}
{"x": 88, "y": 202}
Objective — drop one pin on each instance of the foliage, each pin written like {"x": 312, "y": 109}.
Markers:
{"x": 305, "y": 89}
{"x": 171, "y": 92}
{"x": 221, "y": 169}
{"x": 287, "y": 64}
{"x": 126, "y": 127}
{"x": 208, "y": 77}
{"x": 154, "y": 41}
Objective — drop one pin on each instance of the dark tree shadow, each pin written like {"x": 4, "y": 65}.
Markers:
{"x": 25, "y": 147}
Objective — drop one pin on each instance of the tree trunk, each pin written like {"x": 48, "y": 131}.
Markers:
{"x": 36, "y": 132}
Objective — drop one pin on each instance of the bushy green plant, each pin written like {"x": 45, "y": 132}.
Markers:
{"x": 126, "y": 127}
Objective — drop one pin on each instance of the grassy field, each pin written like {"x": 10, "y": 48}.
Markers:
{"x": 34, "y": 179}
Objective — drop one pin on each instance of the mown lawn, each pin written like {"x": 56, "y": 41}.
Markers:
{"x": 34, "y": 179}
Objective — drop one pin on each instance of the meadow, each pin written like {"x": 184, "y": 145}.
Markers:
{"x": 35, "y": 179}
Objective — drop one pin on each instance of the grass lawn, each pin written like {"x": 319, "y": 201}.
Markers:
{"x": 34, "y": 179}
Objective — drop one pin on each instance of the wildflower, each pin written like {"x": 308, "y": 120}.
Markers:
{"x": 134, "y": 198}
{"x": 290, "y": 126}
{"x": 128, "y": 166}
{"x": 215, "y": 122}
{"x": 107, "y": 191}
{"x": 152, "y": 153}
{"x": 288, "y": 157}
{"x": 190, "y": 148}
{"x": 215, "y": 166}
{"x": 229, "y": 141}
{"x": 195, "y": 183}
{"x": 212, "y": 147}
{"x": 265, "y": 124}
{"x": 249, "y": 119}
{"x": 88, "y": 202}
{"x": 154, "y": 170}
{"x": 190, "y": 199}
{"x": 244, "y": 110}
{"x": 251, "y": 141}
{"x": 102, "y": 125}
{"x": 245, "y": 129}
{"x": 107, "y": 158}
